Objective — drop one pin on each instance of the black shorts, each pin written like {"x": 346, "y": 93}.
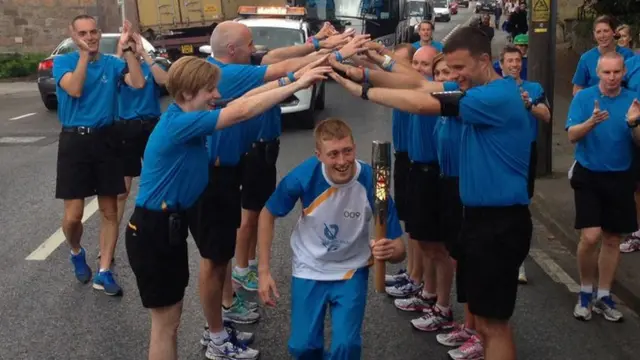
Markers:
{"x": 496, "y": 241}
{"x": 636, "y": 167}
{"x": 88, "y": 163}
{"x": 450, "y": 214}
{"x": 423, "y": 202}
{"x": 134, "y": 135}
{"x": 216, "y": 217}
{"x": 161, "y": 268}
{"x": 259, "y": 174}
{"x": 605, "y": 200}
{"x": 401, "y": 167}
{"x": 533, "y": 163}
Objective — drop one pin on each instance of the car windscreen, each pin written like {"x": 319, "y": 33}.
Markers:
{"x": 440, "y": 3}
{"x": 274, "y": 38}
{"x": 108, "y": 45}
{"x": 416, "y": 8}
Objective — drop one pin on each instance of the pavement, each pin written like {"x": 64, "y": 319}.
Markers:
{"x": 46, "y": 314}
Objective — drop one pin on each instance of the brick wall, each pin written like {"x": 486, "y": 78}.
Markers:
{"x": 39, "y": 25}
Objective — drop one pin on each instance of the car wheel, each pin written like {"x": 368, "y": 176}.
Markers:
{"x": 320, "y": 98}
{"x": 51, "y": 103}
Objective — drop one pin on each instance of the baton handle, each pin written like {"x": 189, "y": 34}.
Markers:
{"x": 380, "y": 266}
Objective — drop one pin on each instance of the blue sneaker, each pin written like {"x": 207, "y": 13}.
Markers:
{"x": 104, "y": 281}
{"x": 80, "y": 266}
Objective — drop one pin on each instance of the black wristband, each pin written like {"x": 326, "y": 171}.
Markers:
{"x": 449, "y": 102}
{"x": 365, "y": 91}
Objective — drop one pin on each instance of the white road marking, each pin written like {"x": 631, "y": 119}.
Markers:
{"x": 554, "y": 270}
{"x": 54, "y": 241}
{"x": 20, "y": 139}
{"x": 21, "y": 116}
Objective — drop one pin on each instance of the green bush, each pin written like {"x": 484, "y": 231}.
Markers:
{"x": 19, "y": 65}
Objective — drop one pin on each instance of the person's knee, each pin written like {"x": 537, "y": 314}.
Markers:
{"x": 249, "y": 220}
{"x": 590, "y": 237}
{"x": 611, "y": 240}
{"x": 491, "y": 328}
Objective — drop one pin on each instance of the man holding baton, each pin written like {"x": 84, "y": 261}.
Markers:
{"x": 331, "y": 244}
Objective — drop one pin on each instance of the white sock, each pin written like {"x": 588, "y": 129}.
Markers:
{"x": 219, "y": 337}
{"x": 603, "y": 293}
{"x": 636, "y": 234}
{"x": 103, "y": 270}
{"x": 427, "y": 295}
{"x": 443, "y": 309}
{"x": 76, "y": 253}
{"x": 253, "y": 262}
{"x": 586, "y": 289}
{"x": 242, "y": 271}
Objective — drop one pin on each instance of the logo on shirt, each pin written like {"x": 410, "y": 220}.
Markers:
{"x": 351, "y": 214}
{"x": 104, "y": 79}
{"x": 331, "y": 234}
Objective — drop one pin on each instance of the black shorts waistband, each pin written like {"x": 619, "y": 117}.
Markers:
{"x": 86, "y": 130}
{"x": 142, "y": 120}
{"x": 142, "y": 214}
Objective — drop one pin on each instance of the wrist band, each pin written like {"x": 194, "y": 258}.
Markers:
{"x": 338, "y": 56}
{"x": 316, "y": 43}
{"x": 366, "y": 75}
{"x": 282, "y": 82}
{"x": 389, "y": 66}
{"x": 291, "y": 77}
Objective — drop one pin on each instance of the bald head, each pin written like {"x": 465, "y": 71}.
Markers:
{"x": 423, "y": 58}
{"x": 232, "y": 42}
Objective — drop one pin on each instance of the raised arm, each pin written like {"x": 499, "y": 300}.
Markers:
{"x": 285, "y": 80}
{"x": 247, "y": 107}
{"x": 277, "y": 55}
{"x": 280, "y": 69}
{"x": 381, "y": 78}
{"x": 134, "y": 77}
{"x": 71, "y": 80}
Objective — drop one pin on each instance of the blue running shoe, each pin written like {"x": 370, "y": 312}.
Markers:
{"x": 80, "y": 266}
{"x": 104, "y": 281}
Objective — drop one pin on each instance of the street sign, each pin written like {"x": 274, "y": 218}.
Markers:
{"x": 541, "y": 11}
{"x": 541, "y": 15}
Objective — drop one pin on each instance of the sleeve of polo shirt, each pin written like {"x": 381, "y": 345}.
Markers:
{"x": 284, "y": 198}
{"x": 250, "y": 77}
{"x": 119, "y": 65}
{"x": 576, "y": 114}
{"x": 480, "y": 106}
{"x": 450, "y": 86}
{"x": 191, "y": 125}
{"x": 394, "y": 230}
{"x": 62, "y": 65}
{"x": 581, "y": 76}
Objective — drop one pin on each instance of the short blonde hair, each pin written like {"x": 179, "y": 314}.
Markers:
{"x": 189, "y": 75}
{"x": 331, "y": 129}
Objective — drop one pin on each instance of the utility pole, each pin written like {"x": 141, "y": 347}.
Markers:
{"x": 541, "y": 69}
{"x": 124, "y": 17}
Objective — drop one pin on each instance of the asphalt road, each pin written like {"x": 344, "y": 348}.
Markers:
{"x": 46, "y": 314}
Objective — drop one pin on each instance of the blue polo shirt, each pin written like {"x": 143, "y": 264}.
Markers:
{"x": 632, "y": 76}
{"x": 269, "y": 125}
{"x": 536, "y": 93}
{"x": 142, "y": 103}
{"x": 586, "y": 75}
{"x": 175, "y": 171}
{"x": 400, "y": 130}
{"x": 97, "y": 107}
{"x": 422, "y": 145}
{"x": 231, "y": 143}
{"x": 609, "y": 145}
{"x": 495, "y": 145}
{"x": 448, "y": 135}
{"x": 436, "y": 44}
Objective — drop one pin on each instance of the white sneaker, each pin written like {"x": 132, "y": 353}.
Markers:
{"x": 230, "y": 351}
{"x": 522, "y": 275}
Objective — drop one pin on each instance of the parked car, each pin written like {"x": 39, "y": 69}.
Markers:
{"x": 486, "y": 6}
{"x": 108, "y": 45}
{"x": 441, "y": 10}
{"x": 453, "y": 7}
{"x": 463, "y": 3}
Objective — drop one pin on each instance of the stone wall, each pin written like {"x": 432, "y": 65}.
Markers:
{"x": 39, "y": 25}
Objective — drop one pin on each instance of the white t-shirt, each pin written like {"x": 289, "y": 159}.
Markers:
{"x": 331, "y": 239}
